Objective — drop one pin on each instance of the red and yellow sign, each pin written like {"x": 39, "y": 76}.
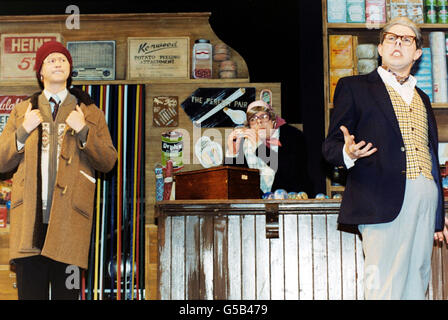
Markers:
{"x": 18, "y": 52}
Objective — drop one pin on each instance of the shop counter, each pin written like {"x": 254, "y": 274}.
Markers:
{"x": 264, "y": 249}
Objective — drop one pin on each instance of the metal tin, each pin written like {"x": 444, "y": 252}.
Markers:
{"x": 172, "y": 146}
{"x": 442, "y": 14}
{"x": 430, "y": 13}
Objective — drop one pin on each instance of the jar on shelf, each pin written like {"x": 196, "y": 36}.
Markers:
{"x": 202, "y": 59}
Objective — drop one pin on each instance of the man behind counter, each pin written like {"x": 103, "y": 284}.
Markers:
{"x": 275, "y": 148}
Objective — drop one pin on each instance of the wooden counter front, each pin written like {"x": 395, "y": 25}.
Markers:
{"x": 222, "y": 250}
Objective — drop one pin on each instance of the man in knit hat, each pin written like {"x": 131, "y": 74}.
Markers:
{"x": 53, "y": 142}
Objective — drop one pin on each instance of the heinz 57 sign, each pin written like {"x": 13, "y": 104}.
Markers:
{"x": 18, "y": 53}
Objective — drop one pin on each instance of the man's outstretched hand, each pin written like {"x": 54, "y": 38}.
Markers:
{"x": 356, "y": 150}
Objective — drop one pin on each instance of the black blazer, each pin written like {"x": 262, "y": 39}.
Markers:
{"x": 375, "y": 185}
{"x": 291, "y": 173}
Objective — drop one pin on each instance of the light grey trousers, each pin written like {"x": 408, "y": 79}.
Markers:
{"x": 397, "y": 262}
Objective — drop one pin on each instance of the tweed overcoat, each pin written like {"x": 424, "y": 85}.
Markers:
{"x": 69, "y": 228}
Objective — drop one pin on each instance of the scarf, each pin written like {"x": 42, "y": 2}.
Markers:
{"x": 400, "y": 79}
{"x": 272, "y": 141}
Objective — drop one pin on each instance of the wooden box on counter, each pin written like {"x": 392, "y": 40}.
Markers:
{"x": 224, "y": 182}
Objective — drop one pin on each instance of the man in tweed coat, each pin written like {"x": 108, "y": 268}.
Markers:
{"x": 53, "y": 142}
{"x": 384, "y": 132}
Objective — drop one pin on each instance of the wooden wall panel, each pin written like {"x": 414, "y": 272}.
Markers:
{"x": 192, "y": 257}
{"x": 359, "y": 268}
{"x": 262, "y": 258}
{"x": 291, "y": 264}
{"x": 151, "y": 262}
{"x": 7, "y": 284}
{"x": 220, "y": 258}
{"x": 334, "y": 255}
{"x": 164, "y": 258}
{"x": 349, "y": 266}
{"x": 248, "y": 258}
{"x": 277, "y": 264}
{"x": 319, "y": 257}
{"x": 305, "y": 258}
{"x": 206, "y": 260}
{"x": 234, "y": 257}
{"x": 8, "y": 289}
{"x": 177, "y": 272}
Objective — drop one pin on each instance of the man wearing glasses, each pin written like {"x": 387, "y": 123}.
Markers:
{"x": 269, "y": 144}
{"x": 383, "y": 131}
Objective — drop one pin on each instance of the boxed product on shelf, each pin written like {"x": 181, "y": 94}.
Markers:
{"x": 375, "y": 11}
{"x": 356, "y": 11}
{"x": 413, "y": 9}
{"x": 343, "y": 61}
{"x": 341, "y": 51}
{"x": 336, "y": 11}
{"x": 423, "y": 72}
{"x": 335, "y": 75}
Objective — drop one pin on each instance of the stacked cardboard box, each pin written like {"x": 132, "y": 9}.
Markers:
{"x": 423, "y": 73}
{"x": 374, "y": 11}
{"x": 342, "y": 58}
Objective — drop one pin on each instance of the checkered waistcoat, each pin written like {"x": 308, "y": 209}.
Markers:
{"x": 413, "y": 123}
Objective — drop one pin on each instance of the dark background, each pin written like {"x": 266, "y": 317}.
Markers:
{"x": 281, "y": 41}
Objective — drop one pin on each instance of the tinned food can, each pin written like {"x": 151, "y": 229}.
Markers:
{"x": 442, "y": 14}
{"x": 172, "y": 145}
{"x": 430, "y": 13}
